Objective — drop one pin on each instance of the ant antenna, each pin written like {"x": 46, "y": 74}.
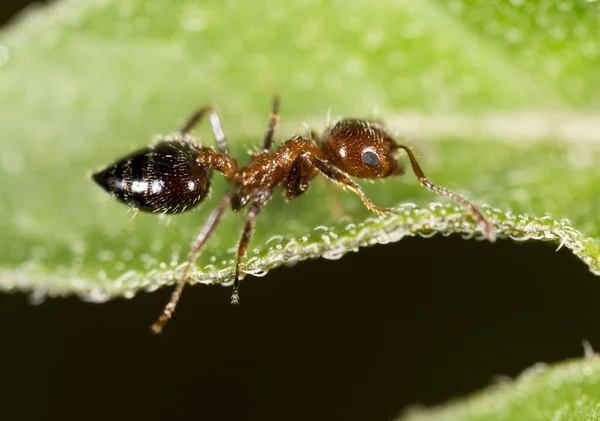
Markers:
{"x": 486, "y": 227}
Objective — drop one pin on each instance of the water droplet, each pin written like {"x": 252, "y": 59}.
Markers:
{"x": 274, "y": 238}
{"x": 334, "y": 254}
{"x": 37, "y": 296}
{"x": 95, "y": 296}
{"x": 256, "y": 272}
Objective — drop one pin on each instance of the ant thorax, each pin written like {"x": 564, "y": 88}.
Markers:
{"x": 284, "y": 166}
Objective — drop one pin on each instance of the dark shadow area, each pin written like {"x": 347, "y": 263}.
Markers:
{"x": 10, "y": 8}
{"x": 353, "y": 339}
{"x": 361, "y": 338}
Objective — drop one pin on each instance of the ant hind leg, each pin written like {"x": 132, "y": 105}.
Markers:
{"x": 207, "y": 229}
{"x": 242, "y": 247}
{"x": 215, "y": 122}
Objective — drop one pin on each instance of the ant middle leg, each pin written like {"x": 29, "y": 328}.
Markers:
{"x": 273, "y": 120}
{"x": 215, "y": 122}
{"x": 243, "y": 246}
{"x": 296, "y": 183}
{"x": 207, "y": 229}
{"x": 337, "y": 176}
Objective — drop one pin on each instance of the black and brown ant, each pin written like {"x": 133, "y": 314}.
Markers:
{"x": 174, "y": 175}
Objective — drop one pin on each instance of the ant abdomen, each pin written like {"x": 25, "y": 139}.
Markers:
{"x": 164, "y": 177}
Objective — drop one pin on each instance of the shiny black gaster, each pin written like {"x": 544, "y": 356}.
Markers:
{"x": 162, "y": 178}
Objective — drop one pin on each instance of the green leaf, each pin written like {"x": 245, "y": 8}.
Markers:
{"x": 567, "y": 391}
{"x": 497, "y": 98}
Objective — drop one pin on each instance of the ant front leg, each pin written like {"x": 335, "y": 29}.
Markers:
{"x": 215, "y": 122}
{"x": 334, "y": 200}
{"x": 341, "y": 179}
{"x": 243, "y": 246}
{"x": 207, "y": 229}
{"x": 273, "y": 120}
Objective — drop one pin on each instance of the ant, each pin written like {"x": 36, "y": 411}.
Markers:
{"x": 174, "y": 175}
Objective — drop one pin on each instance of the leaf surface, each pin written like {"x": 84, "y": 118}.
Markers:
{"x": 498, "y": 99}
{"x": 566, "y": 391}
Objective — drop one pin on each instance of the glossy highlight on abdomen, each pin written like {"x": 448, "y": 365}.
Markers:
{"x": 162, "y": 178}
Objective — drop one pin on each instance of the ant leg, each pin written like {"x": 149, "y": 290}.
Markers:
{"x": 242, "y": 247}
{"x": 215, "y": 122}
{"x": 486, "y": 227}
{"x": 344, "y": 181}
{"x": 203, "y": 235}
{"x": 273, "y": 120}
{"x": 334, "y": 200}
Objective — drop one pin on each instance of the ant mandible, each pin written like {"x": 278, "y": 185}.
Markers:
{"x": 174, "y": 175}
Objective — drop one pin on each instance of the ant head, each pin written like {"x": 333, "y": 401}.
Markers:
{"x": 361, "y": 149}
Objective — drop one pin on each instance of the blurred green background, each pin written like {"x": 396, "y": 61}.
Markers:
{"x": 359, "y": 338}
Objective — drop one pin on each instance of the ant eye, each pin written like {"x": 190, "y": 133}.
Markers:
{"x": 370, "y": 158}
